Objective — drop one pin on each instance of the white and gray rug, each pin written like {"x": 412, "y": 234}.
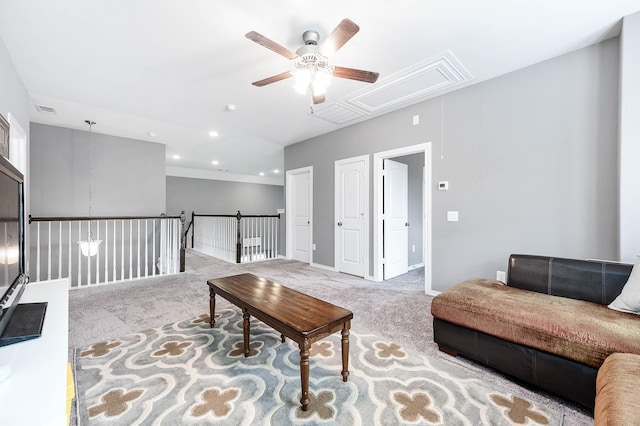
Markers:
{"x": 188, "y": 373}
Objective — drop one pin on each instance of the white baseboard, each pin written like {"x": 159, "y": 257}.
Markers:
{"x": 416, "y": 266}
{"x": 320, "y": 266}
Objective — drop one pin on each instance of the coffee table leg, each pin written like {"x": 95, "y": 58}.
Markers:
{"x": 245, "y": 327}
{"x": 345, "y": 350}
{"x": 212, "y": 307}
{"x": 304, "y": 373}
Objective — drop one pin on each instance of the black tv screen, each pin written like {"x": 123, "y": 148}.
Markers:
{"x": 12, "y": 278}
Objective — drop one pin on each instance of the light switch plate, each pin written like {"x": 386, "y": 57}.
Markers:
{"x": 452, "y": 216}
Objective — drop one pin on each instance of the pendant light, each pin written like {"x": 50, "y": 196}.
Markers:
{"x": 89, "y": 247}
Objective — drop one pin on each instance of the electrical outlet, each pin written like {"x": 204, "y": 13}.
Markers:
{"x": 416, "y": 120}
{"x": 501, "y": 276}
{"x": 313, "y": 247}
{"x": 413, "y": 248}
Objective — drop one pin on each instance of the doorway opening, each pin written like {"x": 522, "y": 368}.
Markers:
{"x": 380, "y": 260}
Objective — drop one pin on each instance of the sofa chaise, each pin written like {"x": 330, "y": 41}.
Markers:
{"x": 549, "y": 325}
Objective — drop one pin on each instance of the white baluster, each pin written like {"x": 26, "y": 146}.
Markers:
{"x": 153, "y": 248}
{"x": 79, "y": 259}
{"x": 49, "y": 253}
{"x": 38, "y": 252}
{"x": 69, "y": 274}
{"x": 98, "y": 253}
{"x": 106, "y": 251}
{"x": 88, "y": 257}
{"x": 59, "y": 250}
{"x": 146, "y": 248}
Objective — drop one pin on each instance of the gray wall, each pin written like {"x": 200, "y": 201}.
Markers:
{"x": 224, "y": 197}
{"x": 630, "y": 139}
{"x": 127, "y": 176}
{"x": 415, "y": 165}
{"x": 531, "y": 159}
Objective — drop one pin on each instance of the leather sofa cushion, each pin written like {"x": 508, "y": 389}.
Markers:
{"x": 581, "y": 331}
{"x": 616, "y": 399}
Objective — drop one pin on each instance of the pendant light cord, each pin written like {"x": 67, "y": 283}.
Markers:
{"x": 90, "y": 123}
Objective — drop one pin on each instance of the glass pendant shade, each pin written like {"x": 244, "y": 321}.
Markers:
{"x": 89, "y": 247}
{"x": 9, "y": 255}
{"x": 303, "y": 78}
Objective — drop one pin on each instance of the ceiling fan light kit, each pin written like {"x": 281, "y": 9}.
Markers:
{"x": 312, "y": 71}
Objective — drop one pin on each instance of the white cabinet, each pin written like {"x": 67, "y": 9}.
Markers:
{"x": 35, "y": 391}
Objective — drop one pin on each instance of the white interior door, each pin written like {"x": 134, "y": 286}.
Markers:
{"x": 351, "y": 213}
{"x": 301, "y": 216}
{"x": 396, "y": 219}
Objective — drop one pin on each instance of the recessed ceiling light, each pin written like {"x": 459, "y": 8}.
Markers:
{"x": 176, "y": 157}
{"x": 230, "y": 107}
{"x": 214, "y": 162}
{"x": 213, "y": 134}
{"x": 276, "y": 171}
{"x": 152, "y": 134}
{"x": 261, "y": 173}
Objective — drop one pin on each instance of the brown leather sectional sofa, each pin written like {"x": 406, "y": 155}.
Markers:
{"x": 548, "y": 326}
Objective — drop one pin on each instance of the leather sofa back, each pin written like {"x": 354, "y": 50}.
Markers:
{"x": 593, "y": 281}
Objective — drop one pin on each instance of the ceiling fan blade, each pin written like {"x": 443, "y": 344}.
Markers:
{"x": 272, "y": 79}
{"x": 338, "y": 37}
{"x": 270, "y": 44}
{"x": 318, "y": 99}
{"x": 354, "y": 74}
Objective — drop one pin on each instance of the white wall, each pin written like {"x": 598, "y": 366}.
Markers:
{"x": 14, "y": 100}
{"x": 630, "y": 138}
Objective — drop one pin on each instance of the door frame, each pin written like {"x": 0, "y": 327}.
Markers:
{"x": 378, "y": 191}
{"x": 290, "y": 199}
{"x": 336, "y": 192}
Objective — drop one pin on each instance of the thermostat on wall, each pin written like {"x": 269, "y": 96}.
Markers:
{"x": 443, "y": 186}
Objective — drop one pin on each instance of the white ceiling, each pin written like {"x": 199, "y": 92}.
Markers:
{"x": 170, "y": 67}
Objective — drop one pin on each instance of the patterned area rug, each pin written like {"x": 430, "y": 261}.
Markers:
{"x": 187, "y": 373}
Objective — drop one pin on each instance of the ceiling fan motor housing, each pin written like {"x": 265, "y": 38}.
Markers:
{"x": 311, "y": 37}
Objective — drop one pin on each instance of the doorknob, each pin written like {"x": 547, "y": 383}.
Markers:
{"x": 406, "y": 224}
{"x": 339, "y": 223}
{"x": 308, "y": 222}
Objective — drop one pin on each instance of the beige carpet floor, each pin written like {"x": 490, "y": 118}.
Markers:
{"x": 397, "y": 309}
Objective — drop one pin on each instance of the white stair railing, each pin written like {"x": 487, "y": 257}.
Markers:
{"x": 130, "y": 248}
{"x": 236, "y": 238}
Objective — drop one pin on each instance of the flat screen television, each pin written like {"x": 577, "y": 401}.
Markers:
{"x": 18, "y": 322}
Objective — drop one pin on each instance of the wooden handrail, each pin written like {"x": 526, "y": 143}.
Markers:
{"x": 85, "y": 218}
{"x": 235, "y": 215}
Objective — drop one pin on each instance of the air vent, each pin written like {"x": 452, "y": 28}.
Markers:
{"x": 45, "y": 109}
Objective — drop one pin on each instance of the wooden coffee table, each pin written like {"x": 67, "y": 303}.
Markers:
{"x": 303, "y": 319}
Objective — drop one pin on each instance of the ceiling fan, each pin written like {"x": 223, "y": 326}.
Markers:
{"x": 312, "y": 70}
